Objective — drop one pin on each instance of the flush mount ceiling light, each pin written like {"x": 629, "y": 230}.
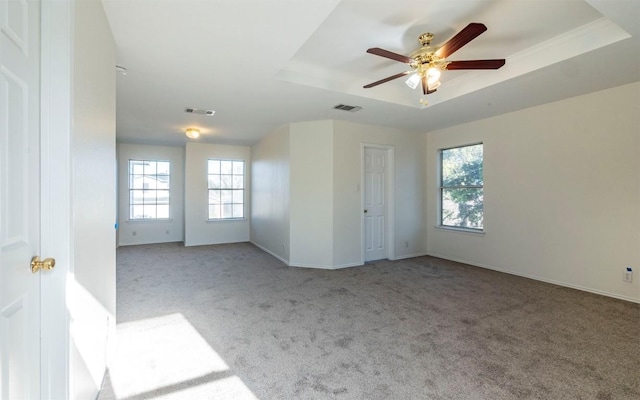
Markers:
{"x": 192, "y": 133}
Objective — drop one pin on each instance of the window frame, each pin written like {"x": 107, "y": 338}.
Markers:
{"x": 442, "y": 188}
{"x": 131, "y": 189}
{"x": 243, "y": 190}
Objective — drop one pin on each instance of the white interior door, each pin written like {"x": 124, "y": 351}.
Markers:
{"x": 375, "y": 204}
{"x": 19, "y": 198}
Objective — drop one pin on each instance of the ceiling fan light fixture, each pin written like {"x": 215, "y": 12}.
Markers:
{"x": 433, "y": 75}
{"x": 192, "y": 133}
{"x": 434, "y": 85}
{"x": 413, "y": 81}
{"x": 428, "y": 62}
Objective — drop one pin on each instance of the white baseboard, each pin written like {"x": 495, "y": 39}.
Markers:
{"x": 330, "y": 267}
{"x": 538, "y": 278}
{"x": 404, "y": 256}
{"x": 286, "y": 262}
{"x": 124, "y": 244}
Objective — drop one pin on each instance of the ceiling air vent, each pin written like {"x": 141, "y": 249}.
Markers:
{"x": 199, "y": 111}
{"x": 345, "y": 107}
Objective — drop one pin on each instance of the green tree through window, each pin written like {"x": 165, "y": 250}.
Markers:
{"x": 461, "y": 187}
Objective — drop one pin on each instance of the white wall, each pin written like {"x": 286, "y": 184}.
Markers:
{"x": 198, "y": 230}
{"x": 270, "y": 193}
{"x": 311, "y": 194}
{"x": 562, "y": 192}
{"x": 325, "y": 166}
{"x": 142, "y": 232}
{"x": 409, "y": 182}
{"x": 92, "y": 294}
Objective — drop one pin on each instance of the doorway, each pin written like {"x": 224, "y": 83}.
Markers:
{"x": 35, "y": 82}
{"x": 377, "y": 202}
{"x": 20, "y": 200}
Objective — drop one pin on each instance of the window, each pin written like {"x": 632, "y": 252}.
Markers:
{"x": 149, "y": 189}
{"x": 226, "y": 189}
{"x": 461, "y": 187}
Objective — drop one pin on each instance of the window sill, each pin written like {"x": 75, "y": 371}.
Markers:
{"x": 150, "y": 220}
{"x": 215, "y": 221}
{"x": 461, "y": 230}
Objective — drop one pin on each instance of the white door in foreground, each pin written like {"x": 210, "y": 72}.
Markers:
{"x": 375, "y": 221}
{"x": 19, "y": 199}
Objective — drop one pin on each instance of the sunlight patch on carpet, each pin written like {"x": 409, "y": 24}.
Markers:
{"x": 231, "y": 388}
{"x": 165, "y": 357}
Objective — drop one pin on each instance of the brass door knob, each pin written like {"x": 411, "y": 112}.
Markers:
{"x": 37, "y": 264}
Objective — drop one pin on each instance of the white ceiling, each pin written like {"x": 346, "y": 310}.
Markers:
{"x": 261, "y": 64}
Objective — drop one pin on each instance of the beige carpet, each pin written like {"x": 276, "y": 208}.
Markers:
{"x": 231, "y": 322}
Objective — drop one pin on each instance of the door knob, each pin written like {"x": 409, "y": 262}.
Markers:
{"x": 37, "y": 264}
{"x": 365, "y": 210}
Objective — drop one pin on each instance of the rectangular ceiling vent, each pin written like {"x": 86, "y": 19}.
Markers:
{"x": 345, "y": 107}
{"x": 199, "y": 111}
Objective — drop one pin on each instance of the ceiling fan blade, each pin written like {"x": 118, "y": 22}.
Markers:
{"x": 476, "y": 64}
{"x": 425, "y": 86}
{"x": 470, "y": 32}
{"x": 388, "y": 54}
{"x": 390, "y": 78}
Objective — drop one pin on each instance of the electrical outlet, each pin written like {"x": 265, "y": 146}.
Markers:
{"x": 168, "y": 231}
{"x": 628, "y": 275}
{"x": 133, "y": 233}
{"x": 406, "y": 244}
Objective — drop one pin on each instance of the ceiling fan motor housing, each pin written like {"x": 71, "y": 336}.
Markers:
{"x": 425, "y": 57}
{"x": 425, "y": 39}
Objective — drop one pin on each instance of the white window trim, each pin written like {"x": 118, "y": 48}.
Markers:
{"x": 148, "y": 220}
{"x": 439, "y": 191}
{"x": 244, "y": 192}
{"x": 461, "y": 230}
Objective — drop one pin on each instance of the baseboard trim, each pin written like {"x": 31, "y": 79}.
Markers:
{"x": 286, "y": 262}
{"x": 289, "y": 264}
{"x": 422, "y": 254}
{"x": 329, "y": 267}
{"x": 125, "y": 244}
{"x": 538, "y": 278}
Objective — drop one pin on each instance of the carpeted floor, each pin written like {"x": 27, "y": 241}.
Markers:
{"x": 232, "y": 322}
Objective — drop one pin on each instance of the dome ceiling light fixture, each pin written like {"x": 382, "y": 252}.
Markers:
{"x": 192, "y": 133}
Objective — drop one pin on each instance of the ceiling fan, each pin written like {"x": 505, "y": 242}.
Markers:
{"x": 428, "y": 61}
